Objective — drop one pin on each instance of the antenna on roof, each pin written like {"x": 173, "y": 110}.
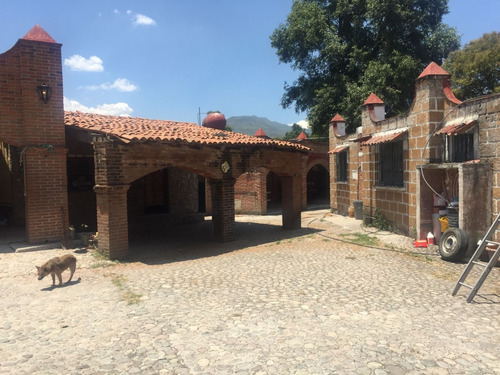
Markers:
{"x": 199, "y": 116}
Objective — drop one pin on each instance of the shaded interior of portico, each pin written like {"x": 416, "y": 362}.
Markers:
{"x": 154, "y": 184}
{"x": 318, "y": 185}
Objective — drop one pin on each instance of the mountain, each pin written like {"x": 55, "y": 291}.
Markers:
{"x": 250, "y": 124}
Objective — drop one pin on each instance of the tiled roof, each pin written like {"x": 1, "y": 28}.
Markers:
{"x": 39, "y": 35}
{"x": 458, "y": 128}
{"x": 383, "y": 138}
{"x": 338, "y": 149}
{"x": 137, "y": 130}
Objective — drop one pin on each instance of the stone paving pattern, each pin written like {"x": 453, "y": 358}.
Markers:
{"x": 272, "y": 302}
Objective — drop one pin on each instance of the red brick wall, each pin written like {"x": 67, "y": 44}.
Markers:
{"x": 250, "y": 192}
{"x": 37, "y": 129}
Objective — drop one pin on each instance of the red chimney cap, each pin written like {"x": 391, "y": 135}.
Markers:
{"x": 337, "y": 118}
{"x": 38, "y": 34}
{"x": 260, "y": 133}
{"x": 373, "y": 99}
{"x": 302, "y": 135}
{"x": 433, "y": 69}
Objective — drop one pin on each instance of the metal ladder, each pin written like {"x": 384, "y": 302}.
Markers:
{"x": 475, "y": 261}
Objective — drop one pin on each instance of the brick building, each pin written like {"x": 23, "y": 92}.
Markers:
{"x": 259, "y": 191}
{"x": 114, "y": 174}
{"x": 402, "y": 167}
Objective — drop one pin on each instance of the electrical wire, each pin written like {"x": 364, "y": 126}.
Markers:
{"x": 41, "y": 147}
{"x": 427, "y": 144}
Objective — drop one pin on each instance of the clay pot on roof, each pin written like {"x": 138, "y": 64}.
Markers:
{"x": 214, "y": 120}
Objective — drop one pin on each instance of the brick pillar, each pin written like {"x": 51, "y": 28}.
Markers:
{"x": 223, "y": 209}
{"x": 182, "y": 191}
{"x": 291, "y": 202}
{"x": 37, "y": 130}
{"x": 112, "y": 223}
{"x": 46, "y": 194}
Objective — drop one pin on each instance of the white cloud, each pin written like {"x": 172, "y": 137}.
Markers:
{"x": 80, "y": 63}
{"x": 138, "y": 19}
{"x": 142, "y": 20}
{"x": 120, "y": 84}
{"x": 114, "y": 109}
{"x": 304, "y": 124}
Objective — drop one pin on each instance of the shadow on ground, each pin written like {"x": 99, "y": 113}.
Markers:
{"x": 63, "y": 285}
{"x": 187, "y": 242}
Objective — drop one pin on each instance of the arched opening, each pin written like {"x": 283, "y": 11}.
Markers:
{"x": 273, "y": 188}
{"x": 165, "y": 197}
{"x": 163, "y": 211}
{"x": 318, "y": 186}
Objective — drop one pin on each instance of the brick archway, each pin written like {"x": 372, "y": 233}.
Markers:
{"x": 318, "y": 183}
{"x": 118, "y": 164}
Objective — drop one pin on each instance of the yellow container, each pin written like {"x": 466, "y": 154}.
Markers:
{"x": 444, "y": 223}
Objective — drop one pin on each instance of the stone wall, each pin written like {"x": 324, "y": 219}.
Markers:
{"x": 433, "y": 108}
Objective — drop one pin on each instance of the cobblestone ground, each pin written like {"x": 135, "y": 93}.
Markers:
{"x": 267, "y": 303}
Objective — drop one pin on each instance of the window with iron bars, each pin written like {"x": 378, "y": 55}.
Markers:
{"x": 461, "y": 147}
{"x": 342, "y": 166}
{"x": 390, "y": 164}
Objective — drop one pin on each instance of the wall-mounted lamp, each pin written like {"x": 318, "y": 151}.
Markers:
{"x": 44, "y": 92}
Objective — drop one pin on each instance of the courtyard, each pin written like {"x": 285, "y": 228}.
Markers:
{"x": 330, "y": 298}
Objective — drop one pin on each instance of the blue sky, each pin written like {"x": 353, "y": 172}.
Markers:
{"x": 168, "y": 59}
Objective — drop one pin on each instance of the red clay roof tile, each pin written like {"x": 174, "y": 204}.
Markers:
{"x": 376, "y": 139}
{"x": 136, "y": 130}
{"x": 338, "y": 149}
{"x": 457, "y": 128}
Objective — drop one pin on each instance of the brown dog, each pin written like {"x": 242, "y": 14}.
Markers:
{"x": 56, "y": 266}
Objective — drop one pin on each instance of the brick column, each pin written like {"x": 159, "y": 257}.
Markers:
{"x": 223, "y": 209}
{"x": 46, "y": 194}
{"x": 291, "y": 202}
{"x": 183, "y": 191}
{"x": 112, "y": 223}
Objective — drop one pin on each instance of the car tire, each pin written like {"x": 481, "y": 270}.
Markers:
{"x": 453, "y": 244}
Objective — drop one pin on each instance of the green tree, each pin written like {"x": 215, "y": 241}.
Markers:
{"x": 475, "y": 69}
{"x": 346, "y": 49}
{"x": 294, "y": 132}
